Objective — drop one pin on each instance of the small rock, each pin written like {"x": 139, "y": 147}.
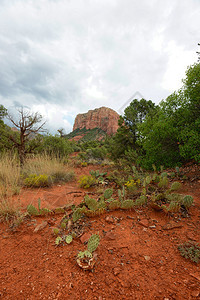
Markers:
{"x": 40, "y": 226}
{"x": 110, "y": 235}
{"x": 144, "y": 222}
{"x": 195, "y": 293}
{"x": 110, "y": 220}
{"x": 85, "y": 238}
{"x": 172, "y": 225}
{"x": 70, "y": 285}
{"x": 152, "y": 226}
{"x": 116, "y": 271}
{"x": 147, "y": 258}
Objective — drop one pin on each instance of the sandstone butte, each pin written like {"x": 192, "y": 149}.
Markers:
{"x": 103, "y": 117}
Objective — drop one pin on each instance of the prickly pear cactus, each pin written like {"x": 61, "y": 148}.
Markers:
{"x": 108, "y": 193}
{"x": 83, "y": 254}
{"x": 127, "y": 204}
{"x": 114, "y": 204}
{"x": 91, "y": 203}
{"x": 164, "y": 174}
{"x": 78, "y": 213}
{"x": 102, "y": 204}
{"x": 100, "y": 211}
{"x": 163, "y": 182}
{"x": 68, "y": 239}
{"x": 45, "y": 211}
{"x": 58, "y": 240}
{"x": 93, "y": 243}
{"x": 141, "y": 200}
{"x": 187, "y": 201}
{"x": 32, "y": 210}
{"x": 148, "y": 180}
{"x": 174, "y": 207}
{"x": 59, "y": 210}
{"x": 175, "y": 186}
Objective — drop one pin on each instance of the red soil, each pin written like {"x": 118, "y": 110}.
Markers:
{"x": 137, "y": 256}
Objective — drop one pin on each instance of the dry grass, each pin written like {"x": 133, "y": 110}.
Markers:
{"x": 44, "y": 164}
{"x": 12, "y": 178}
{"x": 9, "y": 176}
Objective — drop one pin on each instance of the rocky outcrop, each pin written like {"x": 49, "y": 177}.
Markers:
{"x": 104, "y": 118}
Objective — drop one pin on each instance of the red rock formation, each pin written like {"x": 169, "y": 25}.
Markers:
{"x": 103, "y": 117}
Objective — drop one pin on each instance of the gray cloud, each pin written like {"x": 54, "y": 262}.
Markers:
{"x": 70, "y": 56}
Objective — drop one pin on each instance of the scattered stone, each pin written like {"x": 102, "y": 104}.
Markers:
{"x": 152, "y": 226}
{"x": 144, "y": 222}
{"x": 70, "y": 285}
{"x": 85, "y": 237}
{"x": 129, "y": 217}
{"x": 147, "y": 258}
{"x": 195, "y": 293}
{"x": 110, "y": 235}
{"x": 116, "y": 271}
{"x": 172, "y": 225}
{"x": 69, "y": 224}
{"x": 110, "y": 220}
{"x": 40, "y": 226}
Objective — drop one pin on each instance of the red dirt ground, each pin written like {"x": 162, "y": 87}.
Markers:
{"x": 137, "y": 256}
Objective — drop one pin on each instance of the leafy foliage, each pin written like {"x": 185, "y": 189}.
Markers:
{"x": 190, "y": 250}
{"x": 34, "y": 180}
{"x": 86, "y": 181}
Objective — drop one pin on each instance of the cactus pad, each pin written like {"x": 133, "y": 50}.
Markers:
{"x": 187, "y": 201}
{"x": 108, "y": 193}
{"x": 114, "y": 204}
{"x": 32, "y": 210}
{"x": 68, "y": 239}
{"x": 91, "y": 203}
{"x": 127, "y": 204}
{"x": 93, "y": 243}
{"x": 175, "y": 186}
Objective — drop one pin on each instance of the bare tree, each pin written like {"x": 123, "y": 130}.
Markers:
{"x": 198, "y": 53}
{"x": 28, "y": 125}
{"x": 61, "y": 131}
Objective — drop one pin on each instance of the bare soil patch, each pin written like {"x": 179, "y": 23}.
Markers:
{"x": 138, "y": 256}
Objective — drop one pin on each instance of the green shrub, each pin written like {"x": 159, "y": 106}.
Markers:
{"x": 86, "y": 181}
{"x": 34, "y": 180}
{"x": 190, "y": 250}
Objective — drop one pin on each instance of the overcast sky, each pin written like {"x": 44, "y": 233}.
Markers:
{"x": 64, "y": 57}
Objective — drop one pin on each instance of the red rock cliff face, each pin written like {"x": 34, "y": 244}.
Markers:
{"x": 103, "y": 117}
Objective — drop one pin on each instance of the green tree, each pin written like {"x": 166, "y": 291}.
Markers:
{"x": 3, "y": 112}
{"x": 173, "y": 135}
{"x": 128, "y": 134}
{"x": 189, "y": 135}
{"x": 54, "y": 145}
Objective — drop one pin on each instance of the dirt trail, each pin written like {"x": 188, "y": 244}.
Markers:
{"x": 137, "y": 256}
